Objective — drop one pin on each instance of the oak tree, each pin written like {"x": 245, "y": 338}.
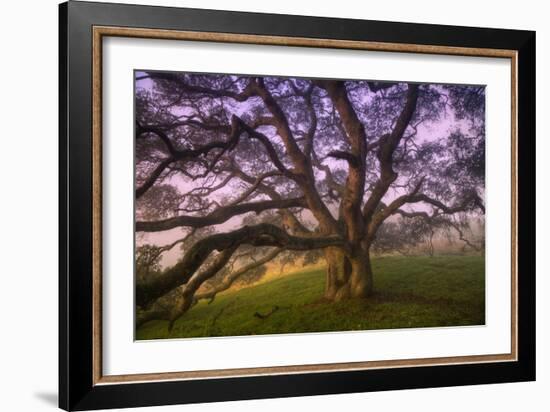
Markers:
{"x": 250, "y": 168}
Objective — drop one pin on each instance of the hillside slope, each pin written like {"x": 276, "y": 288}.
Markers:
{"x": 410, "y": 292}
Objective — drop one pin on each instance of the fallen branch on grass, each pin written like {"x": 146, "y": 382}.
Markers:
{"x": 268, "y": 314}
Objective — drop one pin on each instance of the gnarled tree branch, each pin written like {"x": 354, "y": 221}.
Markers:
{"x": 228, "y": 281}
{"x": 263, "y": 234}
{"x": 387, "y": 145}
{"x": 219, "y": 215}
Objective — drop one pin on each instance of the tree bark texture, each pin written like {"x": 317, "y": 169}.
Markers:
{"x": 347, "y": 276}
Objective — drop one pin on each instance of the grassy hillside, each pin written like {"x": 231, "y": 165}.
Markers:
{"x": 410, "y": 292}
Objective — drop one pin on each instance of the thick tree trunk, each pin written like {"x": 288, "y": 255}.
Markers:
{"x": 347, "y": 277}
{"x": 338, "y": 271}
{"x": 361, "y": 280}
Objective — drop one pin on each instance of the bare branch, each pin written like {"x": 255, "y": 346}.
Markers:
{"x": 392, "y": 208}
{"x": 247, "y": 93}
{"x": 302, "y": 168}
{"x": 170, "y": 246}
{"x": 218, "y": 216}
{"x": 467, "y": 203}
{"x": 178, "y": 155}
{"x": 185, "y": 300}
{"x": 268, "y": 147}
{"x": 152, "y": 178}
{"x": 232, "y": 277}
{"x": 254, "y": 187}
{"x": 462, "y": 237}
{"x": 263, "y": 234}
{"x": 387, "y": 145}
{"x": 190, "y": 296}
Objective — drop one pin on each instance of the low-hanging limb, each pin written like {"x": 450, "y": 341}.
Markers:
{"x": 164, "y": 312}
{"x": 229, "y": 280}
{"x": 263, "y": 234}
{"x": 185, "y": 297}
{"x": 160, "y": 310}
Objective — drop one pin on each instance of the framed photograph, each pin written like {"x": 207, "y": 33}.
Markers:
{"x": 257, "y": 206}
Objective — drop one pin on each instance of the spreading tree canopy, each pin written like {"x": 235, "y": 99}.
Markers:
{"x": 252, "y": 168}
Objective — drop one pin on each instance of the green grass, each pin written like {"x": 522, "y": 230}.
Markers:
{"x": 410, "y": 292}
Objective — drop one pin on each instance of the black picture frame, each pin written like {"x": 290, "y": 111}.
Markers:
{"x": 77, "y": 390}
